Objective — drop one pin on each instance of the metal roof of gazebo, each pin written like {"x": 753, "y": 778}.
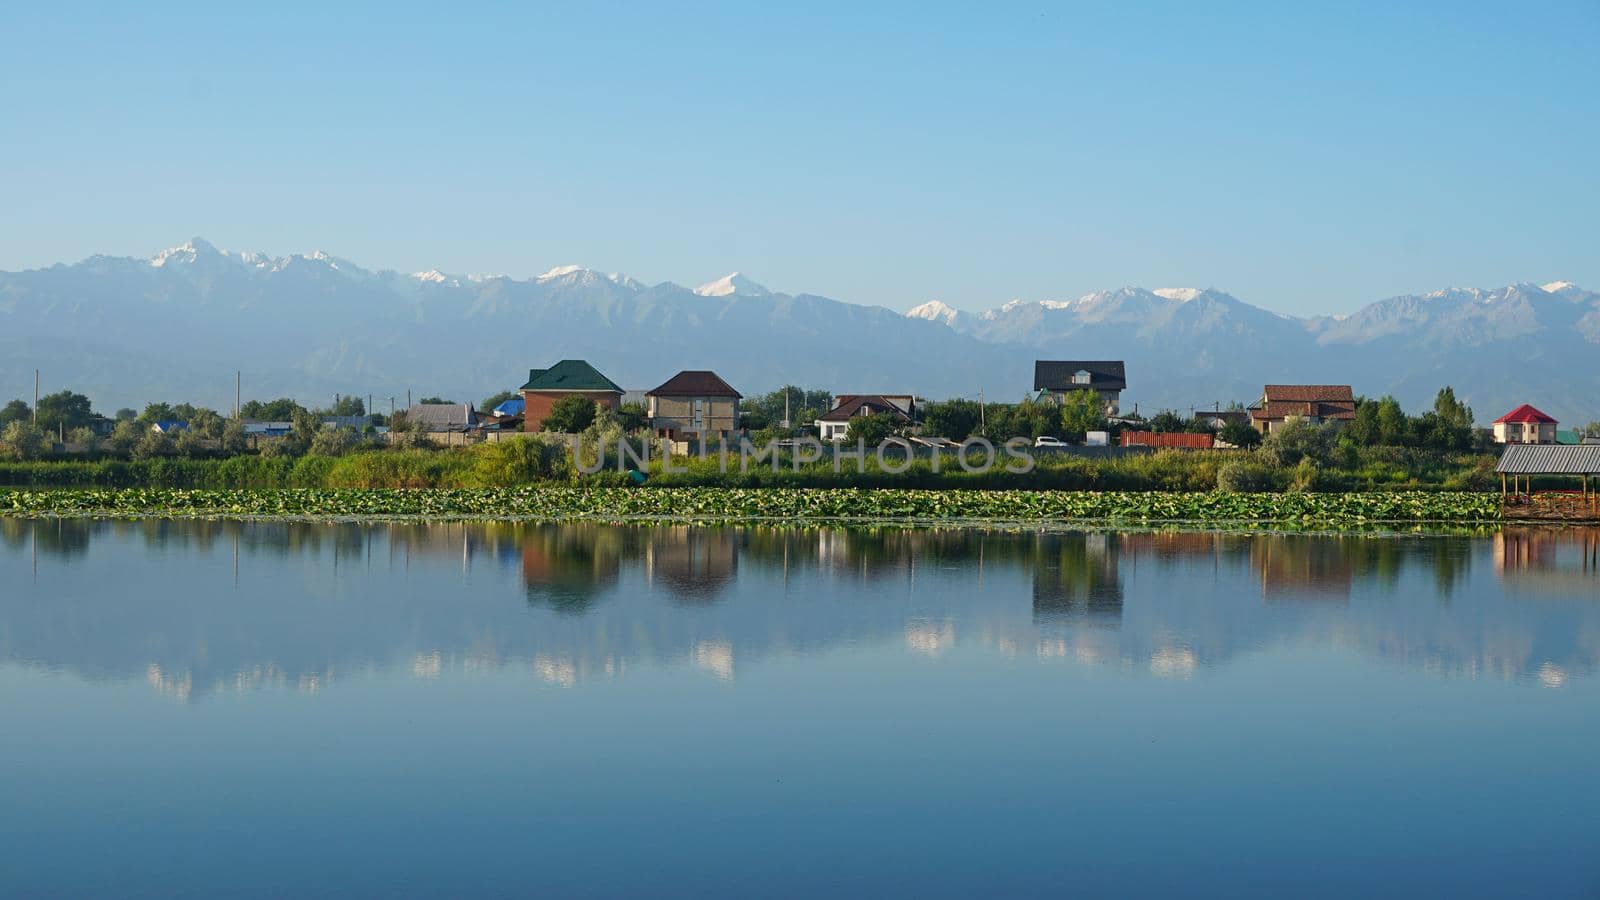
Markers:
{"x": 1550, "y": 459}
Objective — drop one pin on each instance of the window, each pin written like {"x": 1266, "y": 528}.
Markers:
{"x": 1080, "y": 377}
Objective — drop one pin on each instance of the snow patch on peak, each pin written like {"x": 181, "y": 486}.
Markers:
{"x": 1556, "y": 287}
{"x": 432, "y": 275}
{"x": 934, "y": 311}
{"x": 730, "y": 285}
{"x": 1182, "y": 295}
{"x": 185, "y": 252}
{"x": 560, "y": 272}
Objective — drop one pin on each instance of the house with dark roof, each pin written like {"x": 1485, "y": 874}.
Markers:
{"x": 545, "y": 387}
{"x": 834, "y": 424}
{"x": 694, "y": 404}
{"x": 1525, "y": 425}
{"x": 1313, "y": 403}
{"x": 1054, "y": 379}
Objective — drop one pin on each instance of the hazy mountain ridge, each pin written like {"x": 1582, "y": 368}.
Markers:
{"x": 177, "y": 325}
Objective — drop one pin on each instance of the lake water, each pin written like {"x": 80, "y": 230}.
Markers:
{"x": 201, "y": 708}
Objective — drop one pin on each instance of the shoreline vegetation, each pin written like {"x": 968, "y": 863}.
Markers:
{"x": 710, "y": 504}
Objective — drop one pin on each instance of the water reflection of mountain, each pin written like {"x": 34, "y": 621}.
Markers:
{"x": 199, "y": 606}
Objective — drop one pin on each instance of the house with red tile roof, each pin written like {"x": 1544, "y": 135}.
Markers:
{"x": 834, "y": 424}
{"x": 1315, "y": 403}
{"x": 1525, "y": 425}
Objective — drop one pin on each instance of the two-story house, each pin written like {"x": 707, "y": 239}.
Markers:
{"x": 1525, "y": 425}
{"x": 568, "y": 377}
{"x": 1056, "y": 378}
{"x": 1315, "y": 403}
{"x": 692, "y": 405}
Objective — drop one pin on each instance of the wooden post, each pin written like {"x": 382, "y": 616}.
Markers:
{"x": 1502, "y": 484}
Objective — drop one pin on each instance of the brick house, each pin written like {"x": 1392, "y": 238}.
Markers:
{"x": 1315, "y": 403}
{"x": 1056, "y": 378}
{"x": 1525, "y": 425}
{"x": 694, "y": 404}
{"x": 568, "y": 377}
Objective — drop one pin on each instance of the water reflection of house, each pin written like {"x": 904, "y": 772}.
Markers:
{"x": 1076, "y": 576}
{"x": 1559, "y": 560}
{"x": 568, "y": 567}
{"x": 1302, "y": 568}
{"x": 695, "y": 564}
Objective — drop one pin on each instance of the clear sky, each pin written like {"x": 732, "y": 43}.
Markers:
{"x": 1307, "y": 160}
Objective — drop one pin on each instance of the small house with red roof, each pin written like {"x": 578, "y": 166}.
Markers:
{"x": 1525, "y": 425}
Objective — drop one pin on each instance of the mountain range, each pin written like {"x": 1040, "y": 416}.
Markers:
{"x": 176, "y": 326}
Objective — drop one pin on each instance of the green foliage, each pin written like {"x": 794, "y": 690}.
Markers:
{"x": 766, "y": 410}
{"x": 1592, "y": 430}
{"x": 956, "y": 419}
{"x": 633, "y": 417}
{"x": 1082, "y": 412}
{"x": 1242, "y": 476}
{"x": 344, "y": 405}
{"x": 281, "y": 410}
{"x": 64, "y": 410}
{"x": 520, "y": 460}
{"x": 1240, "y": 435}
{"x": 334, "y": 441}
{"x": 570, "y": 415}
{"x": 427, "y": 401}
{"x": 493, "y": 400}
{"x": 1028, "y": 419}
{"x": 19, "y": 440}
{"x": 1168, "y": 422}
{"x": 153, "y": 444}
{"x": 872, "y": 430}
{"x": 847, "y": 504}
{"x": 15, "y": 411}
{"x": 1298, "y": 439}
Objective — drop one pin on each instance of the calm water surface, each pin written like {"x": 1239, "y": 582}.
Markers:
{"x": 195, "y": 708}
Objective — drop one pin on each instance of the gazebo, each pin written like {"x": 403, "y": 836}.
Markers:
{"x": 1520, "y": 463}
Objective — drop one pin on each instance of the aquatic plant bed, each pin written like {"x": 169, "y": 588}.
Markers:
{"x": 617, "y": 504}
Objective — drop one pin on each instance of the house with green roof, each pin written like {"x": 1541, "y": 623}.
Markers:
{"x": 568, "y": 377}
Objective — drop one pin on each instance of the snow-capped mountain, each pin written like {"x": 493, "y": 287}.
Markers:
{"x": 177, "y": 325}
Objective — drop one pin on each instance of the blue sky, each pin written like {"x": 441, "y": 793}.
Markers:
{"x": 1307, "y": 160}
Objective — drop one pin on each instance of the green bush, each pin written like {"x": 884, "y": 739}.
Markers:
{"x": 1243, "y": 477}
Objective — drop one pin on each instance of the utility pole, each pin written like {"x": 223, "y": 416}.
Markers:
{"x": 369, "y": 404}
{"x": 238, "y": 396}
{"x": 983, "y": 420}
{"x": 391, "y": 408}
{"x": 408, "y": 398}
{"x": 786, "y": 407}
{"x": 35, "y": 396}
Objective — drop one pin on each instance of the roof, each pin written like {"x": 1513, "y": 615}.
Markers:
{"x": 442, "y": 416}
{"x": 1224, "y": 415}
{"x": 570, "y": 375}
{"x": 1303, "y": 393}
{"x": 863, "y": 405}
{"x": 1056, "y": 374}
{"x": 1526, "y": 415}
{"x": 906, "y": 402}
{"x": 695, "y": 383}
{"x": 1550, "y": 459}
{"x": 169, "y": 425}
{"x": 1179, "y": 440}
{"x": 516, "y": 406}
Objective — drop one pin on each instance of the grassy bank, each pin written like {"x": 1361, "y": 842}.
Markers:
{"x": 555, "y": 503}
{"x": 519, "y": 463}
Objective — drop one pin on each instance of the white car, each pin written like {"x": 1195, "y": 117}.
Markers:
{"x": 1047, "y": 441}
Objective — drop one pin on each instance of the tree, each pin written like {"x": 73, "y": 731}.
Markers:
{"x": 280, "y": 410}
{"x": 1449, "y": 426}
{"x": 955, "y": 419}
{"x": 1082, "y": 412}
{"x": 84, "y": 438}
{"x": 152, "y": 444}
{"x": 766, "y": 410}
{"x": 436, "y": 401}
{"x": 126, "y": 415}
{"x": 1240, "y": 434}
{"x": 1167, "y": 422}
{"x": 126, "y": 434}
{"x": 1394, "y": 429}
{"x": 872, "y": 430}
{"x": 1592, "y": 429}
{"x": 334, "y": 441}
{"x": 64, "y": 410}
{"x": 345, "y": 405}
{"x": 15, "y": 411}
{"x": 633, "y": 416}
{"x": 21, "y": 440}
{"x": 493, "y": 400}
{"x": 1298, "y": 439}
{"x": 233, "y": 437}
{"x": 570, "y": 415}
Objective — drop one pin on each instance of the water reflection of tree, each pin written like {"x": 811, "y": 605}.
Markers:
{"x": 48, "y": 537}
{"x": 1077, "y": 576}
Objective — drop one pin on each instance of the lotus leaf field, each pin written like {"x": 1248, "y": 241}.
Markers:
{"x": 788, "y": 504}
